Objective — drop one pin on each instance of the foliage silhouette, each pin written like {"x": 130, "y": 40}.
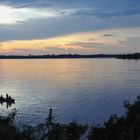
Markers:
{"x": 126, "y": 127}
{"x": 120, "y": 128}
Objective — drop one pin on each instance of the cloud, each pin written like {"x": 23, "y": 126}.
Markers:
{"x": 96, "y": 8}
{"x": 18, "y": 49}
{"x": 132, "y": 41}
{"x": 10, "y": 15}
{"x": 58, "y": 26}
{"x": 127, "y": 40}
{"x": 21, "y": 51}
{"x": 105, "y": 14}
{"x": 20, "y": 21}
{"x": 86, "y": 44}
{"x": 58, "y": 50}
{"x": 44, "y": 19}
{"x": 25, "y": 3}
{"x": 1, "y": 45}
{"x": 109, "y": 35}
{"x": 55, "y": 48}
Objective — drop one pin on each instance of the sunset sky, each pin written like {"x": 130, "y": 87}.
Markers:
{"x": 69, "y": 26}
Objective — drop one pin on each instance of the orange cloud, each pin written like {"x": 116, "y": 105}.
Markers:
{"x": 90, "y": 42}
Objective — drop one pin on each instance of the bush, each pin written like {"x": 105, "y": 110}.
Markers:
{"x": 126, "y": 127}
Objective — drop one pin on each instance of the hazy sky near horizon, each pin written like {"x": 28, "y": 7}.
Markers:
{"x": 69, "y": 26}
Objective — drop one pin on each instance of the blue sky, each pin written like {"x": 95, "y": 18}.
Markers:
{"x": 69, "y": 26}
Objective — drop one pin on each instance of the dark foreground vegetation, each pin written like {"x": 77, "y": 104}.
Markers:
{"x": 126, "y": 127}
{"x": 53, "y": 56}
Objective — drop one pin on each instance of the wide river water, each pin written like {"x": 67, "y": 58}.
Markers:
{"x": 83, "y": 90}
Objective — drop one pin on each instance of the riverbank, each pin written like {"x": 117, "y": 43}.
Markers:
{"x": 71, "y": 56}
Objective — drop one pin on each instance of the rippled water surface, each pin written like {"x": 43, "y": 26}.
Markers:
{"x": 85, "y": 90}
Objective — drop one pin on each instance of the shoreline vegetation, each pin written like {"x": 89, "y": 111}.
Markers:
{"x": 70, "y": 56}
{"x": 126, "y": 127}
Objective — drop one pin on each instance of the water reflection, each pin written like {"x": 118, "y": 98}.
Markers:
{"x": 8, "y": 100}
{"x": 85, "y": 90}
{"x": 8, "y": 104}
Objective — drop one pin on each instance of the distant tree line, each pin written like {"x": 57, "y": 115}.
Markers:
{"x": 126, "y": 127}
{"x": 53, "y": 56}
{"x": 129, "y": 56}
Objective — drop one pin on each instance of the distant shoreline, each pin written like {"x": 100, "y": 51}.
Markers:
{"x": 73, "y": 56}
